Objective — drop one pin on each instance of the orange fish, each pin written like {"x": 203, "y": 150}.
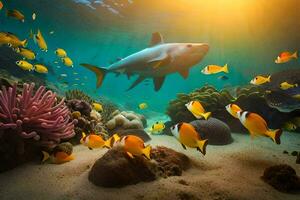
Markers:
{"x": 256, "y": 125}
{"x": 233, "y": 109}
{"x": 1, "y": 5}
{"x": 58, "y": 157}
{"x": 286, "y": 57}
{"x": 93, "y": 141}
{"x": 188, "y": 136}
{"x": 134, "y": 146}
{"x": 197, "y": 110}
{"x": 214, "y": 69}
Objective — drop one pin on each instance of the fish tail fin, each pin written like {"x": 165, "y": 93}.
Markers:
{"x": 99, "y": 72}
{"x": 269, "y": 78}
{"x": 225, "y": 68}
{"x": 70, "y": 157}
{"x": 24, "y": 43}
{"x": 202, "y": 144}
{"x": 46, "y": 156}
{"x": 31, "y": 34}
{"x": 110, "y": 142}
{"x": 295, "y": 55}
{"x": 275, "y": 135}
{"x": 206, "y": 115}
{"x": 147, "y": 151}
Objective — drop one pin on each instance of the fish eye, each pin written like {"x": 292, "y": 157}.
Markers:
{"x": 189, "y": 45}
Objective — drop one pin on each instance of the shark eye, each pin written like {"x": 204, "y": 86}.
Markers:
{"x": 189, "y": 45}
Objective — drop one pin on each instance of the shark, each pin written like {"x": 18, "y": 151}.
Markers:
{"x": 156, "y": 61}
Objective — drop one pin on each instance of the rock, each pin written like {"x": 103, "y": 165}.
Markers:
{"x": 117, "y": 169}
{"x": 216, "y": 131}
{"x": 137, "y": 132}
{"x": 298, "y": 159}
{"x": 66, "y": 147}
{"x": 285, "y": 152}
{"x": 294, "y": 153}
{"x": 282, "y": 177}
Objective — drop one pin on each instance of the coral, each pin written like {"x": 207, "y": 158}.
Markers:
{"x": 282, "y": 178}
{"x": 125, "y": 120}
{"x": 249, "y": 98}
{"x": 78, "y": 105}
{"x": 66, "y": 147}
{"x": 216, "y": 131}
{"x": 108, "y": 109}
{"x": 30, "y": 121}
{"x": 79, "y": 95}
{"x": 166, "y": 162}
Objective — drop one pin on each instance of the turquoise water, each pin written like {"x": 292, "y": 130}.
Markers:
{"x": 247, "y": 35}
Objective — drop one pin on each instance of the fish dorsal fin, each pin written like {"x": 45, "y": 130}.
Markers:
{"x": 158, "y": 82}
{"x": 184, "y": 73}
{"x": 156, "y": 39}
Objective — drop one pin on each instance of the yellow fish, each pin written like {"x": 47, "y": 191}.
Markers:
{"x": 258, "y": 80}
{"x": 256, "y": 125}
{"x": 25, "y": 65}
{"x": 157, "y": 127}
{"x": 134, "y": 146}
{"x": 26, "y": 53}
{"x": 15, "y": 14}
{"x": 11, "y": 40}
{"x": 285, "y": 57}
{"x": 289, "y": 126}
{"x": 93, "y": 141}
{"x": 214, "y": 69}
{"x": 57, "y": 158}
{"x": 40, "y": 68}
{"x": 40, "y": 41}
{"x": 61, "y": 53}
{"x": 143, "y": 106}
{"x": 1, "y": 5}
{"x": 233, "y": 109}
{"x": 33, "y": 16}
{"x": 197, "y": 110}
{"x": 67, "y": 61}
{"x": 188, "y": 136}
{"x": 98, "y": 107}
{"x": 285, "y": 85}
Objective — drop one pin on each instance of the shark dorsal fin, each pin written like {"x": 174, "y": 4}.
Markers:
{"x": 156, "y": 39}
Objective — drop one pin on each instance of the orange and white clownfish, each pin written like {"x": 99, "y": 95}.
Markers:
{"x": 256, "y": 125}
{"x": 233, "y": 109}
{"x": 57, "y": 157}
{"x": 93, "y": 141}
{"x": 197, "y": 110}
{"x": 187, "y": 135}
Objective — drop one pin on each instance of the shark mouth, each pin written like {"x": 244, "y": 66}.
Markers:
{"x": 282, "y": 101}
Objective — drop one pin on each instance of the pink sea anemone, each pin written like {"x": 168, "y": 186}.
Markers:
{"x": 35, "y": 116}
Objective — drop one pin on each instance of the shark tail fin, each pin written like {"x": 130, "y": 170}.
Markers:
{"x": 225, "y": 68}
{"x": 99, "y": 72}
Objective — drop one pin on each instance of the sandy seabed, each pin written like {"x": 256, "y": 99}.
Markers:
{"x": 230, "y": 172}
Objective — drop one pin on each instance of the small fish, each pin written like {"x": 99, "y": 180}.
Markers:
{"x": 55, "y": 62}
{"x": 58, "y": 67}
{"x": 11, "y": 40}
{"x": 259, "y": 80}
{"x": 63, "y": 75}
{"x": 285, "y": 85}
{"x": 256, "y": 125}
{"x": 197, "y": 110}
{"x": 233, "y": 109}
{"x": 82, "y": 84}
{"x": 188, "y": 136}
{"x": 26, "y": 53}
{"x": 76, "y": 114}
{"x": 224, "y": 77}
{"x": 93, "y": 141}
{"x": 15, "y": 14}
{"x": 25, "y": 65}
{"x": 67, "y": 61}
{"x": 40, "y": 41}
{"x": 214, "y": 69}
{"x": 76, "y": 79}
{"x": 33, "y": 16}
{"x": 75, "y": 84}
{"x": 98, "y": 107}
{"x": 285, "y": 57}
{"x": 143, "y": 106}
{"x": 57, "y": 158}
{"x": 134, "y": 146}
{"x": 40, "y": 69}
{"x": 157, "y": 127}
{"x": 51, "y": 32}
{"x": 75, "y": 73}
{"x": 1, "y": 5}
{"x": 60, "y": 53}
{"x": 289, "y": 126}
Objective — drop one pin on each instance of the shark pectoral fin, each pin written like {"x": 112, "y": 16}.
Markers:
{"x": 162, "y": 60}
{"x": 158, "y": 82}
{"x": 184, "y": 73}
{"x": 136, "y": 82}
{"x": 156, "y": 39}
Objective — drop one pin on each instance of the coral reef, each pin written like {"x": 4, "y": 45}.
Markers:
{"x": 166, "y": 162}
{"x": 79, "y": 105}
{"x": 247, "y": 97}
{"x": 125, "y": 120}
{"x": 108, "y": 109}
{"x": 216, "y": 131}
{"x": 282, "y": 178}
{"x": 78, "y": 95}
{"x": 30, "y": 121}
